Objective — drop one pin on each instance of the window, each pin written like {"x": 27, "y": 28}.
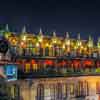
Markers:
{"x": 27, "y": 67}
{"x": 72, "y": 88}
{"x": 41, "y": 51}
{"x": 46, "y": 51}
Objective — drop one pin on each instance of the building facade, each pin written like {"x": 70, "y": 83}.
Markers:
{"x": 52, "y": 67}
{"x": 71, "y": 88}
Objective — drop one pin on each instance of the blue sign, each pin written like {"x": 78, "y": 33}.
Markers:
{"x": 11, "y": 72}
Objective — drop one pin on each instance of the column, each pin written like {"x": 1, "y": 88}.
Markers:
{"x": 47, "y": 92}
{"x": 64, "y": 90}
{"x": 52, "y": 91}
{"x": 24, "y": 90}
{"x": 33, "y": 92}
{"x": 59, "y": 91}
{"x": 92, "y": 87}
{"x": 40, "y": 92}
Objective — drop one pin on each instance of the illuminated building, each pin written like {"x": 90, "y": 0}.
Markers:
{"x": 58, "y": 68}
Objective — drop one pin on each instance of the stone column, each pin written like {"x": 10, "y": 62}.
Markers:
{"x": 52, "y": 91}
{"x": 24, "y": 91}
{"x": 92, "y": 87}
{"x": 40, "y": 92}
{"x": 33, "y": 92}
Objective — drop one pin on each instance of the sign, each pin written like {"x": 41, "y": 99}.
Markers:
{"x": 11, "y": 72}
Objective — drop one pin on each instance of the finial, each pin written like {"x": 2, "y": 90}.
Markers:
{"x": 67, "y": 35}
{"x": 7, "y": 28}
{"x": 24, "y": 29}
{"x": 98, "y": 43}
{"x": 98, "y": 39}
{"x": 90, "y": 38}
{"x": 54, "y": 34}
{"x": 78, "y": 36}
{"x": 40, "y": 32}
{"x": 90, "y": 41}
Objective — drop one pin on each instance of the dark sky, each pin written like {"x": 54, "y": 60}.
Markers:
{"x": 53, "y": 15}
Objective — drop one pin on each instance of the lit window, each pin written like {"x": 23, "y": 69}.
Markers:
{"x": 27, "y": 67}
{"x": 72, "y": 89}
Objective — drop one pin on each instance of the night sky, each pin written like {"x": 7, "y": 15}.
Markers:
{"x": 53, "y": 15}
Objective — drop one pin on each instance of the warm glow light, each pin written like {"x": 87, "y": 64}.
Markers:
{"x": 54, "y": 41}
{"x": 79, "y": 43}
{"x": 68, "y": 49}
{"x": 27, "y": 67}
{"x": 68, "y": 42}
{"x": 7, "y": 35}
{"x": 23, "y": 45}
{"x": 37, "y": 44}
{"x": 24, "y": 38}
{"x": 40, "y": 39}
{"x": 82, "y": 47}
{"x": 88, "y": 63}
{"x": 63, "y": 46}
{"x": 50, "y": 45}
{"x": 98, "y": 45}
{"x": 49, "y": 62}
{"x": 47, "y": 45}
{"x": 75, "y": 47}
{"x": 13, "y": 41}
{"x": 90, "y": 44}
{"x": 33, "y": 62}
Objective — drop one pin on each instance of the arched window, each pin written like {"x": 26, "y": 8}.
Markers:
{"x": 34, "y": 65}
{"x": 55, "y": 50}
{"x": 76, "y": 65}
{"x": 47, "y": 51}
{"x": 41, "y": 51}
{"x": 27, "y": 67}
